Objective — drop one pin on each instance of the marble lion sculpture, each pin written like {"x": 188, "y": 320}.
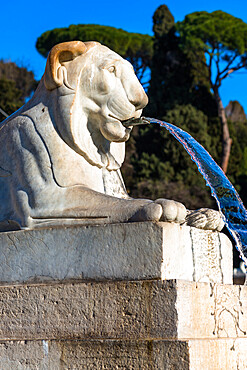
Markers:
{"x": 61, "y": 153}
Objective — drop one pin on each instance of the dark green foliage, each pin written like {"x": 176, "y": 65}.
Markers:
{"x": 10, "y": 97}
{"x": 174, "y": 76}
{"x": 24, "y": 79}
{"x": 135, "y": 47}
{"x": 218, "y": 33}
{"x": 16, "y": 85}
{"x": 154, "y": 189}
{"x": 163, "y": 21}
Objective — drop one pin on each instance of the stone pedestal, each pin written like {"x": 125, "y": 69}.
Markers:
{"x": 74, "y": 307}
{"x": 134, "y": 251}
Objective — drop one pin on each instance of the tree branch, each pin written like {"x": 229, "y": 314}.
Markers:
{"x": 217, "y": 62}
{"x": 210, "y": 66}
{"x": 233, "y": 69}
{"x": 228, "y": 65}
{"x": 3, "y": 113}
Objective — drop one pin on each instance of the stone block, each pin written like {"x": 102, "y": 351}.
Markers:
{"x": 138, "y": 310}
{"x": 227, "y": 354}
{"x": 134, "y": 251}
{"x": 94, "y": 355}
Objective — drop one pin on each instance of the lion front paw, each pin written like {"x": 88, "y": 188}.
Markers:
{"x": 172, "y": 211}
{"x": 161, "y": 210}
{"x": 206, "y": 219}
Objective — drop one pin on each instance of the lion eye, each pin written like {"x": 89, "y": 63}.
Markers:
{"x": 112, "y": 69}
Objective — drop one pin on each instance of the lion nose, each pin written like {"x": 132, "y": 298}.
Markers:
{"x": 139, "y": 99}
{"x": 135, "y": 92}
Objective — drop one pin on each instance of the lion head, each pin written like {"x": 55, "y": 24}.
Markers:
{"x": 94, "y": 91}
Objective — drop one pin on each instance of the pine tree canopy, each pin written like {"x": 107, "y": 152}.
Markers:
{"x": 221, "y": 36}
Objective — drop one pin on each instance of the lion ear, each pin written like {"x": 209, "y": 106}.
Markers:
{"x": 64, "y": 52}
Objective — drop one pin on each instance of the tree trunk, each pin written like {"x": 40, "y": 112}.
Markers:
{"x": 226, "y": 140}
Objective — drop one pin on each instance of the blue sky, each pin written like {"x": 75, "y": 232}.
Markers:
{"x": 23, "y": 22}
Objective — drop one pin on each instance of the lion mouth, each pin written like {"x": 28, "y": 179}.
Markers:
{"x": 132, "y": 121}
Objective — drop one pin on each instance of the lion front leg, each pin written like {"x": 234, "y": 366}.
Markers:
{"x": 94, "y": 204}
{"x": 82, "y": 203}
{"x": 129, "y": 210}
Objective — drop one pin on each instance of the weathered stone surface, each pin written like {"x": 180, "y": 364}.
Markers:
{"x": 141, "y": 310}
{"x": 94, "y": 355}
{"x": 121, "y": 251}
{"x": 227, "y": 354}
{"x": 127, "y": 310}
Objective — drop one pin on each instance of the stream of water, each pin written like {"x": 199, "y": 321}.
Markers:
{"x": 230, "y": 205}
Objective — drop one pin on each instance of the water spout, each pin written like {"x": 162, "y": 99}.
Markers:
{"x": 135, "y": 122}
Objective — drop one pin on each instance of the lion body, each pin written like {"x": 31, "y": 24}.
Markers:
{"x": 38, "y": 165}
